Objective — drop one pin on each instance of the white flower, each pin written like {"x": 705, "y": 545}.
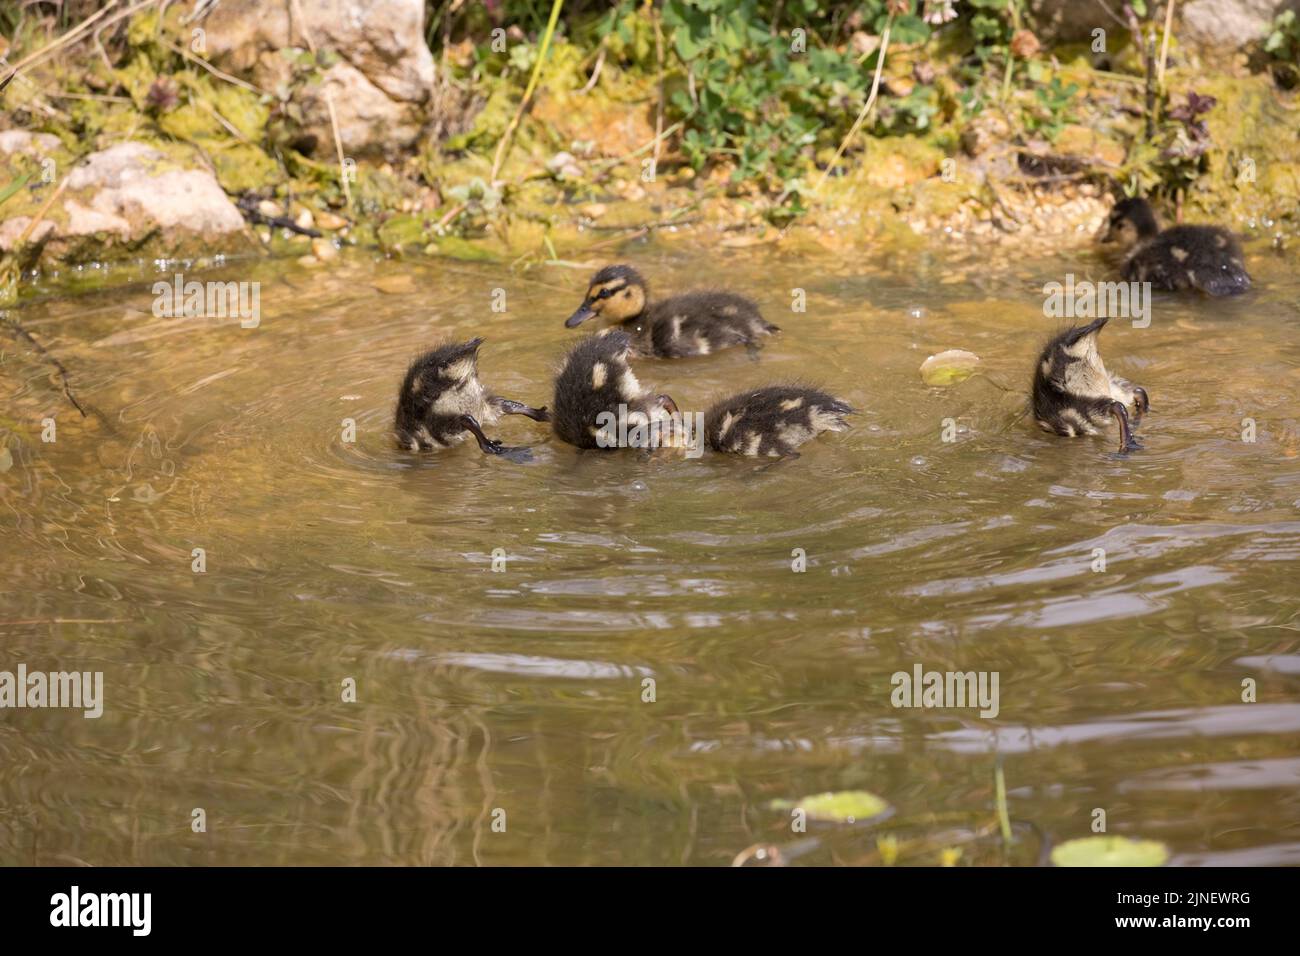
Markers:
{"x": 938, "y": 12}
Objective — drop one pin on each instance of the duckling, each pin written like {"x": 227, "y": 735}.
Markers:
{"x": 1207, "y": 258}
{"x": 694, "y": 323}
{"x": 594, "y": 381}
{"x": 441, "y": 400}
{"x": 773, "y": 421}
{"x": 1073, "y": 394}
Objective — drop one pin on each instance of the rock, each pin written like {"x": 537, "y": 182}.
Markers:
{"x": 36, "y": 145}
{"x": 1069, "y": 21}
{"x": 563, "y": 166}
{"x": 370, "y": 123}
{"x": 382, "y": 85}
{"x": 1228, "y": 23}
{"x": 323, "y": 249}
{"x": 327, "y": 220}
{"x": 985, "y": 130}
{"x": 131, "y": 199}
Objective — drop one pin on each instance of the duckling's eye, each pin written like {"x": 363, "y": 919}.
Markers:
{"x": 604, "y": 293}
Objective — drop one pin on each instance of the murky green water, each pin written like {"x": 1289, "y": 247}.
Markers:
{"x": 521, "y": 691}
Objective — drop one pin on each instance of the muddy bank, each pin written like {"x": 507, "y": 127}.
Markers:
{"x": 181, "y": 133}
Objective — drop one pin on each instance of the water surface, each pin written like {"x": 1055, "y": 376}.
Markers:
{"x": 518, "y": 695}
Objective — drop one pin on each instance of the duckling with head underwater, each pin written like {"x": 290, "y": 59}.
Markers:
{"x": 1207, "y": 258}
{"x": 693, "y": 323}
{"x": 596, "y": 387}
{"x": 442, "y": 400}
{"x": 1074, "y": 395}
{"x": 773, "y": 421}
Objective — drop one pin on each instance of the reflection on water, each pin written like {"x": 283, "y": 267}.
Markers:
{"x": 520, "y": 696}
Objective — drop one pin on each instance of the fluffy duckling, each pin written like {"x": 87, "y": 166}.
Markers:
{"x": 1207, "y": 258}
{"x": 442, "y": 400}
{"x": 773, "y": 421}
{"x": 694, "y": 323}
{"x": 1073, "y": 394}
{"x": 594, "y": 381}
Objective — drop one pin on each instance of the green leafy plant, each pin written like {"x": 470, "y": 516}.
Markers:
{"x": 1052, "y": 102}
{"x": 1283, "y": 48}
{"x": 992, "y": 23}
{"x": 1283, "y": 40}
{"x": 753, "y": 98}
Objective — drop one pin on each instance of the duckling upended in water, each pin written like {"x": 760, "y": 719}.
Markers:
{"x": 442, "y": 400}
{"x": 773, "y": 421}
{"x": 1074, "y": 395}
{"x": 694, "y": 323}
{"x": 596, "y": 389}
{"x": 1207, "y": 258}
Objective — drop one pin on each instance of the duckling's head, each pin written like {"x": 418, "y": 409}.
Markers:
{"x": 616, "y": 294}
{"x": 1131, "y": 221}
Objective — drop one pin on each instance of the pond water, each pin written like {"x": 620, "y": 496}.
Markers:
{"x": 516, "y": 697}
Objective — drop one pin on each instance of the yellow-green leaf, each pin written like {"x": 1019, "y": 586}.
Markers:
{"x": 1110, "y": 851}
{"x": 949, "y": 368}
{"x": 845, "y": 806}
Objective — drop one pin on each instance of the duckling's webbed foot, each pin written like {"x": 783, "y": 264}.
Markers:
{"x": 519, "y": 455}
{"x": 508, "y": 406}
{"x": 1127, "y": 442}
{"x": 489, "y": 446}
{"x": 493, "y": 446}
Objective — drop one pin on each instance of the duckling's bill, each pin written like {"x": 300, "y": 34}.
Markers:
{"x": 581, "y": 315}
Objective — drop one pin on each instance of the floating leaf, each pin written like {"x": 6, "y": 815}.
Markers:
{"x": 1110, "y": 851}
{"x": 949, "y": 368}
{"x": 845, "y": 806}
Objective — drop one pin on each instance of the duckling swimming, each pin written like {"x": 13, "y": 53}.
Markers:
{"x": 442, "y": 400}
{"x": 594, "y": 382}
{"x": 694, "y": 323}
{"x": 1073, "y": 394}
{"x": 1207, "y": 258}
{"x": 773, "y": 421}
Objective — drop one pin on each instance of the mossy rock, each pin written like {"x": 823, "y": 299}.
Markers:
{"x": 402, "y": 233}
